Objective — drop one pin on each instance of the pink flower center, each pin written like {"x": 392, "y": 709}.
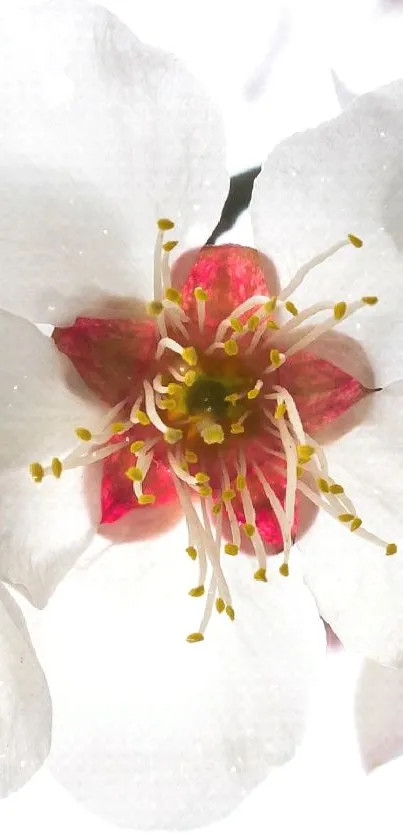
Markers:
{"x": 214, "y": 398}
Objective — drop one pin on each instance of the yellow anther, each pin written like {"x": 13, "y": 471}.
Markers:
{"x": 83, "y": 434}
{"x": 345, "y": 517}
{"x": 355, "y": 524}
{"x": 217, "y": 508}
{"x": 336, "y": 489}
{"x": 284, "y": 569}
{"x": 370, "y": 301}
{"x": 260, "y": 574}
{"x": 271, "y": 324}
{"x": 165, "y": 224}
{"x": 191, "y": 457}
{"x": 185, "y": 466}
{"x": 270, "y": 306}
{"x": 391, "y": 549}
{"x": 168, "y": 404}
{"x": 137, "y": 446}
{"x": 236, "y": 324}
{"x": 339, "y": 310}
{"x": 202, "y": 477}
{"x": 252, "y": 394}
{"x": 229, "y": 495}
{"x": 192, "y": 552}
{"x": 200, "y": 294}
{"x": 291, "y": 308}
{"x": 174, "y": 389}
{"x": 232, "y": 398}
{"x": 305, "y": 452}
{"x": 190, "y": 378}
{"x": 142, "y": 418}
{"x": 169, "y": 246}
{"x": 231, "y": 347}
{"x": 213, "y": 434}
{"x": 237, "y": 428}
{"x": 146, "y": 499}
{"x": 230, "y": 612}
{"x": 253, "y": 323}
{"x": 220, "y": 605}
{"x": 358, "y": 243}
{"x": 194, "y": 637}
{"x": 240, "y": 482}
{"x": 323, "y": 485}
{"x": 118, "y": 427}
{"x": 205, "y": 491}
{"x": 299, "y": 471}
{"x": 154, "y": 308}
{"x": 37, "y": 472}
{"x": 231, "y": 549}
{"x": 280, "y": 411}
{"x": 249, "y": 529}
{"x": 173, "y": 296}
{"x": 276, "y": 358}
{"x": 173, "y": 435}
{"x": 134, "y": 474}
{"x": 189, "y": 355}
{"x": 198, "y": 591}
{"x": 56, "y": 467}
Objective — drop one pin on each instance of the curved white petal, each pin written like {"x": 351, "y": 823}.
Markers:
{"x": 344, "y": 176}
{"x": 44, "y": 528}
{"x": 42, "y": 398}
{"x": 151, "y": 731}
{"x": 25, "y": 705}
{"x": 379, "y": 714}
{"x": 101, "y": 136}
{"x": 359, "y": 590}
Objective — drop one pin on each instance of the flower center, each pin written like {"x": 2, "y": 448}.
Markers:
{"x": 213, "y": 408}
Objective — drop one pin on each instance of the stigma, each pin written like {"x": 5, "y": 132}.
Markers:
{"x": 212, "y": 405}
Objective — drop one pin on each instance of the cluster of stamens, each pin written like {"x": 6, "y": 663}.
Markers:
{"x": 204, "y": 397}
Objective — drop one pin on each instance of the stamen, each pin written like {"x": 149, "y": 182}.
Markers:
{"x": 201, "y": 296}
{"x": 57, "y": 467}
{"x": 225, "y": 324}
{"x": 228, "y": 495}
{"x": 252, "y": 394}
{"x": 250, "y": 525}
{"x": 83, "y": 434}
{"x": 339, "y": 314}
{"x": 212, "y": 433}
{"x": 317, "y": 260}
{"x": 151, "y": 410}
{"x": 231, "y": 347}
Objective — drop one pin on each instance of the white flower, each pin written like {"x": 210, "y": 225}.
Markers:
{"x": 101, "y": 138}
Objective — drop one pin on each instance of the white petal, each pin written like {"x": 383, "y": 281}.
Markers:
{"x": 151, "y": 731}
{"x": 45, "y": 528}
{"x": 101, "y": 137}
{"x": 379, "y": 714}
{"x": 345, "y": 176}
{"x": 374, "y": 447}
{"x": 359, "y": 590}
{"x": 42, "y": 398}
{"x": 25, "y": 705}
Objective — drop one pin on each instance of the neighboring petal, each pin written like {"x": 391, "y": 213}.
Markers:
{"x": 117, "y": 495}
{"x": 346, "y": 176}
{"x": 44, "y": 528}
{"x": 229, "y": 274}
{"x": 25, "y": 705}
{"x": 322, "y": 392}
{"x": 188, "y": 729}
{"x": 42, "y": 398}
{"x": 111, "y": 356}
{"x": 101, "y": 136}
{"x": 379, "y": 714}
